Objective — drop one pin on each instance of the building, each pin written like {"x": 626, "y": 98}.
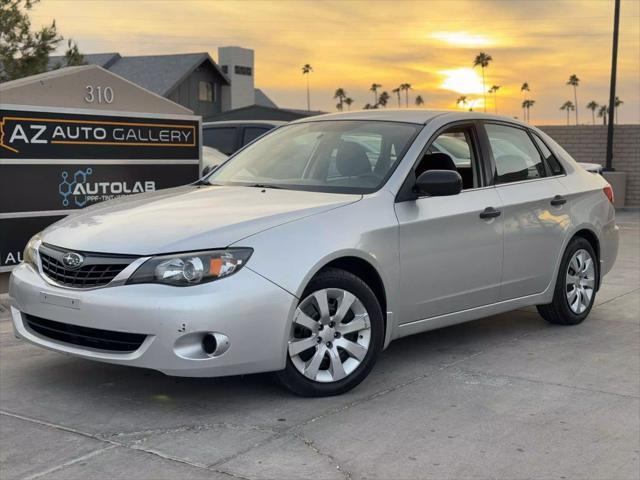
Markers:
{"x": 262, "y": 112}
{"x": 193, "y": 80}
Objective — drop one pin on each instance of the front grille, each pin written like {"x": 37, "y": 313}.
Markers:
{"x": 121, "y": 342}
{"x": 98, "y": 269}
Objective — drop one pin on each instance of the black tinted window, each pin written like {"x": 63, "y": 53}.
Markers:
{"x": 221, "y": 138}
{"x": 552, "y": 161}
{"x": 251, "y": 133}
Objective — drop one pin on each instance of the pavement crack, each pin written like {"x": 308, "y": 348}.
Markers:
{"x": 68, "y": 463}
{"x": 636, "y": 290}
{"x": 554, "y": 384}
{"x": 311, "y": 445}
{"x": 110, "y": 444}
{"x": 56, "y": 426}
{"x": 185, "y": 428}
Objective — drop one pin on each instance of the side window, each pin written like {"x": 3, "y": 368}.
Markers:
{"x": 516, "y": 157}
{"x": 222, "y": 138}
{"x": 552, "y": 162}
{"x": 453, "y": 150}
{"x": 251, "y": 133}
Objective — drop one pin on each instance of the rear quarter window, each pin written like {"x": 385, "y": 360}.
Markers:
{"x": 550, "y": 159}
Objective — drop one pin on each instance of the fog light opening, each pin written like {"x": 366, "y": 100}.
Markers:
{"x": 209, "y": 344}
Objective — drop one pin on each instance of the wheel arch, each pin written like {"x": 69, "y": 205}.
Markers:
{"x": 367, "y": 271}
{"x": 591, "y": 237}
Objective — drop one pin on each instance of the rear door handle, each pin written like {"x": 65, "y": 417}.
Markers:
{"x": 558, "y": 200}
{"x": 490, "y": 212}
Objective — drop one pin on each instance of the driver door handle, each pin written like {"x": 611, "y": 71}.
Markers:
{"x": 558, "y": 200}
{"x": 490, "y": 212}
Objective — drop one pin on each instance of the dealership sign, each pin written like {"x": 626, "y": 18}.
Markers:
{"x": 56, "y": 161}
{"x": 31, "y": 135}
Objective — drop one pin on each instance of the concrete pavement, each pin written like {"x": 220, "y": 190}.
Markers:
{"x": 508, "y": 396}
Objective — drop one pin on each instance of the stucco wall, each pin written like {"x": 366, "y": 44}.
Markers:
{"x": 588, "y": 143}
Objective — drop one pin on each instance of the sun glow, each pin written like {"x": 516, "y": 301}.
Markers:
{"x": 464, "y": 39}
{"x": 462, "y": 80}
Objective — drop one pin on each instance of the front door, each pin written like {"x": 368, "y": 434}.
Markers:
{"x": 450, "y": 257}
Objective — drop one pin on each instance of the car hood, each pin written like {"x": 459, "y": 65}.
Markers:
{"x": 185, "y": 218}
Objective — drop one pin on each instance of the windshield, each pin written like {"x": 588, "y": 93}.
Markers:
{"x": 331, "y": 156}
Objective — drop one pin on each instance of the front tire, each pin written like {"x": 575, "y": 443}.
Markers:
{"x": 576, "y": 284}
{"x": 336, "y": 336}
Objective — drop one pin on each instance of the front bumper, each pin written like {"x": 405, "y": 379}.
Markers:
{"x": 251, "y": 311}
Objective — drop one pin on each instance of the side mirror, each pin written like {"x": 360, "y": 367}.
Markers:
{"x": 438, "y": 183}
{"x": 208, "y": 169}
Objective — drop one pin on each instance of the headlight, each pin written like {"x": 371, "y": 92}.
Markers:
{"x": 30, "y": 254}
{"x": 185, "y": 269}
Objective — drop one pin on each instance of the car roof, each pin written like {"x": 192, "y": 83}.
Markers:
{"x": 270, "y": 123}
{"x": 408, "y": 115}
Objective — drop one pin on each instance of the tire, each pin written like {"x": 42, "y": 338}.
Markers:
{"x": 329, "y": 354}
{"x": 562, "y": 311}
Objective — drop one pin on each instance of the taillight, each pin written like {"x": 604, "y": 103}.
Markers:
{"x": 608, "y": 191}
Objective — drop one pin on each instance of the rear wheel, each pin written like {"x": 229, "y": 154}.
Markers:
{"x": 336, "y": 335}
{"x": 575, "y": 289}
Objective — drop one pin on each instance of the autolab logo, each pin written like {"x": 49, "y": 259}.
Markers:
{"x": 77, "y": 189}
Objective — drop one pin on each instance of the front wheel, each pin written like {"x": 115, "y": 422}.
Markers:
{"x": 575, "y": 286}
{"x": 336, "y": 335}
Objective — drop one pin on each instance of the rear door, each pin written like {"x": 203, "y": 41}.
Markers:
{"x": 534, "y": 212}
{"x": 450, "y": 248}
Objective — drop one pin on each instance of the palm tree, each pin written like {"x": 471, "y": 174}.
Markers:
{"x": 348, "y": 101}
{"x": 524, "y": 88}
{"x": 374, "y": 88}
{"x": 306, "y": 70}
{"x": 526, "y": 105}
{"x": 482, "y": 60}
{"x": 419, "y": 101}
{"x": 593, "y": 106}
{"x": 340, "y": 94}
{"x": 494, "y": 89}
{"x": 397, "y": 92}
{"x": 383, "y": 99}
{"x": 574, "y": 81}
{"x": 617, "y": 102}
{"x": 602, "y": 113}
{"x": 406, "y": 87}
{"x": 462, "y": 100}
{"x": 568, "y": 106}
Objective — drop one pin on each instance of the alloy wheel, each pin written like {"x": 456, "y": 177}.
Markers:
{"x": 330, "y": 335}
{"x": 580, "y": 281}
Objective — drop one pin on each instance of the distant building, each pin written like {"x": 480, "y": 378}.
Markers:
{"x": 260, "y": 112}
{"x": 193, "y": 80}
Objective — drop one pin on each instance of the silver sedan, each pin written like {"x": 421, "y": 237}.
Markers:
{"x": 311, "y": 249}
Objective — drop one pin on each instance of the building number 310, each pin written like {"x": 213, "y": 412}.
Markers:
{"x": 98, "y": 94}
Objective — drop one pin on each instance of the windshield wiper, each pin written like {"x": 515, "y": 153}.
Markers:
{"x": 265, "y": 185}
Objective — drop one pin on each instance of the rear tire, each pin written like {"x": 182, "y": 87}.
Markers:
{"x": 336, "y": 336}
{"x": 576, "y": 285}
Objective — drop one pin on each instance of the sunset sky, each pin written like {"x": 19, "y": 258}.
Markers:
{"x": 352, "y": 44}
